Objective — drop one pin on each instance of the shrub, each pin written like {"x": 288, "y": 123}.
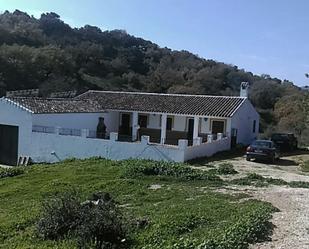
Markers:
{"x": 304, "y": 166}
{"x": 299, "y": 184}
{"x": 10, "y": 172}
{"x": 226, "y": 169}
{"x": 95, "y": 223}
{"x": 258, "y": 180}
{"x": 137, "y": 168}
{"x": 60, "y": 216}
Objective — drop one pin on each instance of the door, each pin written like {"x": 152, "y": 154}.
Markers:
{"x": 142, "y": 121}
{"x": 125, "y": 124}
{"x": 8, "y": 144}
{"x": 190, "y": 130}
{"x": 234, "y": 138}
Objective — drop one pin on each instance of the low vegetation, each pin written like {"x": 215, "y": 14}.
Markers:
{"x": 226, "y": 169}
{"x": 304, "y": 166}
{"x": 96, "y": 222}
{"x": 261, "y": 181}
{"x": 139, "y": 168}
{"x": 10, "y": 172}
{"x": 183, "y": 213}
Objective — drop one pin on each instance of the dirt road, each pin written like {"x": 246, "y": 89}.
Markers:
{"x": 292, "y": 222}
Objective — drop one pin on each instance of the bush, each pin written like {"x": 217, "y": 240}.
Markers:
{"x": 10, "y": 172}
{"x": 299, "y": 184}
{"x": 60, "y": 216}
{"x": 304, "y": 166}
{"x": 226, "y": 169}
{"x": 95, "y": 223}
{"x": 137, "y": 168}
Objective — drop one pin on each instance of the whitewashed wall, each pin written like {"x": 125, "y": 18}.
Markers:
{"x": 78, "y": 120}
{"x": 52, "y": 148}
{"x": 243, "y": 122}
{"x": 180, "y": 123}
{"x": 11, "y": 114}
{"x": 207, "y": 149}
{"x": 154, "y": 121}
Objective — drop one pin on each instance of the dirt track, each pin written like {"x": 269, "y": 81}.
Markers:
{"x": 292, "y": 222}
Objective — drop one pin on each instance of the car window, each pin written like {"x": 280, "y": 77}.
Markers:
{"x": 263, "y": 144}
{"x": 279, "y": 136}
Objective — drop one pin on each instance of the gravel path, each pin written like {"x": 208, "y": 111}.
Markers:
{"x": 292, "y": 222}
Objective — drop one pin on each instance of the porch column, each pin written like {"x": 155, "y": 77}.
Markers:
{"x": 163, "y": 128}
{"x": 196, "y": 127}
{"x": 134, "y": 125}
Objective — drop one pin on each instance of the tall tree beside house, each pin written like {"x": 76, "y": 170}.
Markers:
{"x": 47, "y": 53}
{"x": 292, "y": 113}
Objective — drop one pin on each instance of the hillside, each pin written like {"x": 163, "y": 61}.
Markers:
{"x": 48, "y": 54}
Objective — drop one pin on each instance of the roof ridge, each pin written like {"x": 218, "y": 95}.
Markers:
{"x": 163, "y": 94}
{"x": 42, "y": 98}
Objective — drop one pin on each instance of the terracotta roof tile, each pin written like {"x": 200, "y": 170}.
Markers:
{"x": 218, "y": 106}
{"x": 100, "y": 101}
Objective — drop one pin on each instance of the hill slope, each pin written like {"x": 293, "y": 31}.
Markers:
{"x": 48, "y": 54}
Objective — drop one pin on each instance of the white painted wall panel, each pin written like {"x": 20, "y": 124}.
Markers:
{"x": 54, "y": 148}
{"x": 243, "y": 122}
{"x": 78, "y": 120}
{"x": 11, "y": 114}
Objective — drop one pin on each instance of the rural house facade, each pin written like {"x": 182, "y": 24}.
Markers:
{"x": 122, "y": 125}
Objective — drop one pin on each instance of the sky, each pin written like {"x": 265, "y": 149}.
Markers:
{"x": 261, "y": 36}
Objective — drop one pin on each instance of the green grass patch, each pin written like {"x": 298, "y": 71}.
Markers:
{"x": 226, "y": 169}
{"x": 183, "y": 213}
{"x": 257, "y": 180}
{"x": 183, "y": 172}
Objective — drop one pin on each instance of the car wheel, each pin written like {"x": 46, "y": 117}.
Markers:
{"x": 272, "y": 160}
{"x": 248, "y": 158}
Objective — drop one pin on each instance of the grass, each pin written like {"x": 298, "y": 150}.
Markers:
{"x": 257, "y": 180}
{"x": 183, "y": 213}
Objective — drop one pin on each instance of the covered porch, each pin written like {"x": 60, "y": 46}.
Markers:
{"x": 163, "y": 128}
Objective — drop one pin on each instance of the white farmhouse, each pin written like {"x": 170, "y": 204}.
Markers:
{"x": 171, "y": 127}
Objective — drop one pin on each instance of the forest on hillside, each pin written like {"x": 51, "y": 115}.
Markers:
{"x": 48, "y": 54}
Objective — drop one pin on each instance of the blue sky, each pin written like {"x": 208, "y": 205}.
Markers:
{"x": 262, "y": 36}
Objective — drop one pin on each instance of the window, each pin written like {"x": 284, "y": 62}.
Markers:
{"x": 218, "y": 126}
{"x": 169, "y": 123}
{"x": 254, "y": 126}
{"x": 143, "y": 121}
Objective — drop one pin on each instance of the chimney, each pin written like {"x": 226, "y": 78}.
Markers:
{"x": 244, "y": 87}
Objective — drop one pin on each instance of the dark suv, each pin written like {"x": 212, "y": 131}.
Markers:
{"x": 285, "y": 141}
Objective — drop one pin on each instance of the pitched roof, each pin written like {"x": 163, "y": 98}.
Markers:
{"x": 54, "y": 105}
{"x": 100, "y": 101}
{"x": 202, "y": 105}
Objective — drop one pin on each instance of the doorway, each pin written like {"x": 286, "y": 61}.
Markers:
{"x": 125, "y": 124}
{"x": 190, "y": 131}
{"x": 8, "y": 144}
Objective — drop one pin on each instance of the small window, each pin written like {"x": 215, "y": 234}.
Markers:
{"x": 254, "y": 126}
{"x": 169, "y": 123}
{"x": 143, "y": 121}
